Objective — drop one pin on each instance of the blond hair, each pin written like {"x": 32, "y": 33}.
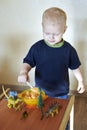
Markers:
{"x": 54, "y": 15}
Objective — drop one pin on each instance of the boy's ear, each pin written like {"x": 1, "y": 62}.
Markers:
{"x": 65, "y": 29}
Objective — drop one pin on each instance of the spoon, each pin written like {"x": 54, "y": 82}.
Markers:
{"x": 28, "y": 83}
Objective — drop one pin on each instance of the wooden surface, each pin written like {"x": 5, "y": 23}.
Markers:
{"x": 11, "y": 119}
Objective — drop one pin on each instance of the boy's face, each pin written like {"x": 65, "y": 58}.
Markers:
{"x": 53, "y": 33}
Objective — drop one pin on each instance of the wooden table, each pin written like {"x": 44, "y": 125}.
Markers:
{"x": 11, "y": 119}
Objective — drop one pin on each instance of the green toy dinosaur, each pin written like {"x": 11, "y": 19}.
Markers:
{"x": 40, "y": 103}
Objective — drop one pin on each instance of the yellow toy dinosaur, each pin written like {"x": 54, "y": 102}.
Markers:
{"x": 12, "y": 103}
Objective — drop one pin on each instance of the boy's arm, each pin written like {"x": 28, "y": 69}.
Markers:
{"x": 25, "y": 68}
{"x": 79, "y": 78}
{"x": 23, "y": 76}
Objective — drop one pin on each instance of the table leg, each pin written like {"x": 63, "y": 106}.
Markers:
{"x": 72, "y": 118}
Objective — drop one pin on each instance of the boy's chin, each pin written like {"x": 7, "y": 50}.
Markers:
{"x": 52, "y": 42}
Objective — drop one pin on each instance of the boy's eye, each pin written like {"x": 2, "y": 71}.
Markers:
{"x": 56, "y": 34}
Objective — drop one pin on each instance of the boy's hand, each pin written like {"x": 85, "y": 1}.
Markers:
{"x": 81, "y": 87}
{"x": 22, "y": 78}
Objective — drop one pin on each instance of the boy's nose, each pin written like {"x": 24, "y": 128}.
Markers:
{"x": 51, "y": 36}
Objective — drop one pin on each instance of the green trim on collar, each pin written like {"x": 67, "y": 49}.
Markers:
{"x": 57, "y": 45}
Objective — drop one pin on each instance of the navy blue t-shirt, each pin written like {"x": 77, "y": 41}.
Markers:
{"x": 51, "y": 66}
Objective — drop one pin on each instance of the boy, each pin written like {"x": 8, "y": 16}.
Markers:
{"x": 52, "y": 56}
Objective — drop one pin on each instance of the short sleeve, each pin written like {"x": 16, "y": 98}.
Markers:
{"x": 74, "y": 59}
{"x": 30, "y": 57}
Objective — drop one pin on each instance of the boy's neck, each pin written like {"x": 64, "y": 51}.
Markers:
{"x": 56, "y": 45}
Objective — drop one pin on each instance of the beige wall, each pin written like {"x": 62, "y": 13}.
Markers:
{"x": 20, "y": 27}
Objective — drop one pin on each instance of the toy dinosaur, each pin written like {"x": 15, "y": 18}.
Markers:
{"x": 24, "y": 115}
{"x": 12, "y": 102}
{"x": 52, "y": 110}
{"x": 40, "y": 103}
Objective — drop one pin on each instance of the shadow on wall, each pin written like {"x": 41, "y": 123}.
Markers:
{"x": 14, "y": 50}
{"x": 81, "y": 45}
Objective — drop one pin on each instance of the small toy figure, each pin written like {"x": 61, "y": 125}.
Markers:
{"x": 52, "y": 110}
{"x": 12, "y": 102}
{"x": 24, "y": 115}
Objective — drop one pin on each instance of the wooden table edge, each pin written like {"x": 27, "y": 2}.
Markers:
{"x": 67, "y": 113}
